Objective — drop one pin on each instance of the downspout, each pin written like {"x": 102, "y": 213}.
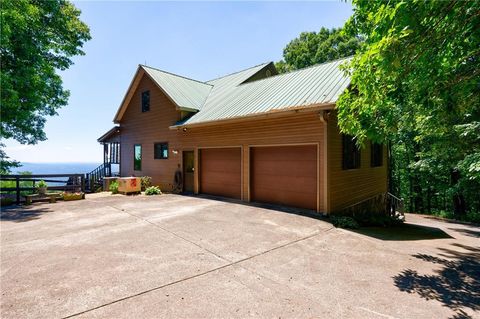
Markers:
{"x": 323, "y": 115}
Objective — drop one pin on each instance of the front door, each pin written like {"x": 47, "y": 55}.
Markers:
{"x": 188, "y": 171}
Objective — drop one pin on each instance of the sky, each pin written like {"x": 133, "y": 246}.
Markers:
{"x": 199, "y": 40}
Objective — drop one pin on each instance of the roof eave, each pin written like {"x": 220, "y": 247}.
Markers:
{"x": 122, "y": 107}
{"x": 274, "y": 113}
{"x": 141, "y": 71}
{"x": 114, "y": 130}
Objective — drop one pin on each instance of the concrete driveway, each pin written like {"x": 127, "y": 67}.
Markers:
{"x": 176, "y": 256}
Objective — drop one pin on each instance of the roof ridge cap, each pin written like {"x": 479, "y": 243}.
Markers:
{"x": 224, "y": 76}
{"x": 297, "y": 70}
{"x": 177, "y": 75}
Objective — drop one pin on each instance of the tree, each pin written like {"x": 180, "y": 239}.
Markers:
{"x": 37, "y": 39}
{"x": 312, "y": 48}
{"x": 415, "y": 82}
{"x": 5, "y": 163}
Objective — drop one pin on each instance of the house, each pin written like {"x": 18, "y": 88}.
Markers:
{"x": 253, "y": 135}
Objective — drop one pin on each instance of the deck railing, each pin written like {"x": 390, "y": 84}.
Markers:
{"x": 395, "y": 205}
{"x": 68, "y": 182}
{"x": 95, "y": 176}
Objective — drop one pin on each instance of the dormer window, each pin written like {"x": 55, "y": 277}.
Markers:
{"x": 145, "y": 101}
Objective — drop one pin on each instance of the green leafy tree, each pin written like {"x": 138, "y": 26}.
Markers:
{"x": 317, "y": 47}
{"x": 415, "y": 83}
{"x": 37, "y": 39}
{"x": 5, "y": 162}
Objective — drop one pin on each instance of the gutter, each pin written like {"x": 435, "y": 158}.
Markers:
{"x": 269, "y": 114}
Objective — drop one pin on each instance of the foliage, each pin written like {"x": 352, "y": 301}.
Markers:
{"x": 317, "y": 47}
{"x": 344, "y": 222}
{"x": 146, "y": 182}
{"x": 13, "y": 184}
{"x": 42, "y": 184}
{"x": 473, "y": 217}
{"x": 5, "y": 163}
{"x": 67, "y": 196}
{"x": 6, "y": 201}
{"x": 378, "y": 220}
{"x": 37, "y": 39}
{"x": 114, "y": 187}
{"x": 153, "y": 190}
{"x": 415, "y": 85}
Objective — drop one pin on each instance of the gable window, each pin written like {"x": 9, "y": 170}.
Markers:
{"x": 351, "y": 153}
{"x": 376, "y": 154}
{"x": 145, "y": 101}
{"x": 137, "y": 157}
{"x": 160, "y": 151}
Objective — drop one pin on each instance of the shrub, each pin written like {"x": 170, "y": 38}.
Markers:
{"x": 72, "y": 196}
{"x": 146, "y": 182}
{"x": 378, "y": 220}
{"x": 153, "y": 190}
{"x": 344, "y": 222}
{"x": 42, "y": 184}
{"x": 114, "y": 187}
{"x": 473, "y": 217}
{"x": 6, "y": 201}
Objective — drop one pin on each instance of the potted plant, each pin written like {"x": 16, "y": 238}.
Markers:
{"x": 67, "y": 196}
{"x": 42, "y": 187}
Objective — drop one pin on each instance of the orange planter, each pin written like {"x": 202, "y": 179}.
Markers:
{"x": 129, "y": 185}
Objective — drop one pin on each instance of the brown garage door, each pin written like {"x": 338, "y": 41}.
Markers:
{"x": 220, "y": 172}
{"x": 285, "y": 175}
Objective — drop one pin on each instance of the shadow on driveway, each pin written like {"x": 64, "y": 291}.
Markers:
{"x": 274, "y": 207}
{"x": 467, "y": 232}
{"x": 22, "y": 214}
{"x": 456, "y": 284}
{"x": 403, "y": 232}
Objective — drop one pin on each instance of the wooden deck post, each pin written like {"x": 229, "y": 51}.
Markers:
{"x": 82, "y": 178}
{"x": 17, "y": 185}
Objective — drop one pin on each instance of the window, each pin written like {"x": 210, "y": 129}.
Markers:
{"x": 351, "y": 153}
{"x": 160, "y": 151}
{"x": 145, "y": 101}
{"x": 376, "y": 154}
{"x": 137, "y": 157}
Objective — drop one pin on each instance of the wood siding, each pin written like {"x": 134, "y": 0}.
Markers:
{"x": 347, "y": 187}
{"x": 300, "y": 128}
{"x": 147, "y": 128}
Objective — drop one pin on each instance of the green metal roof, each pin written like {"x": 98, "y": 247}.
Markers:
{"x": 232, "y": 96}
{"x": 186, "y": 93}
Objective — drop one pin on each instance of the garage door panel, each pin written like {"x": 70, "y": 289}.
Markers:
{"x": 294, "y": 182}
{"x": 301, "y": 169}
{"x": 288, "y": 153}
{"x": 220, "y": 172}
{"x": 285, "y": 175}
{"x": 295, "y": 199}
{"x": 220, "y": 189}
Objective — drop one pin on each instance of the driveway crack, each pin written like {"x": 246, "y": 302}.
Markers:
{"x": 171, "y": 232}
{"x": 230, "y": 264}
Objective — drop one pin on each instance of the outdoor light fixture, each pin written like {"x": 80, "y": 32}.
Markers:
{"x": 184, "y": 129}
{"x": 175, "y": 152}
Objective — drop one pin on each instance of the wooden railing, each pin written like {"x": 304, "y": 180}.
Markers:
{"x": 394, "y": 205}
{"x": 381, "y": 203}
{"x": 95, "y": 176}
{"x": 72, "y": 183}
